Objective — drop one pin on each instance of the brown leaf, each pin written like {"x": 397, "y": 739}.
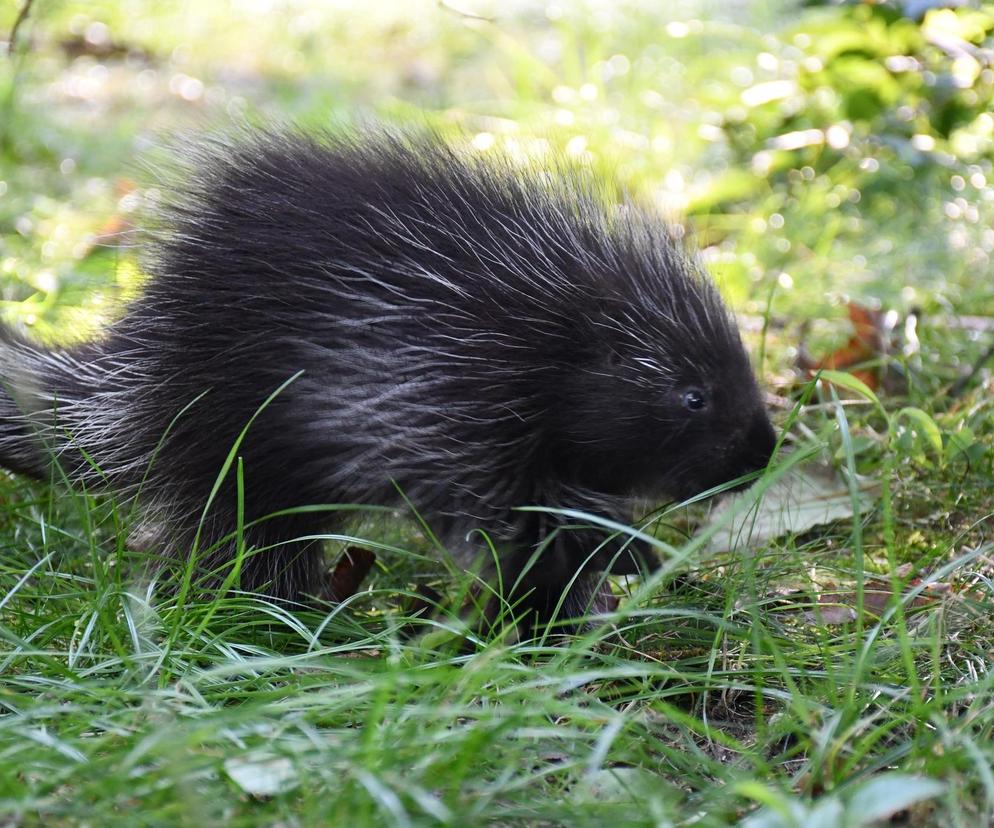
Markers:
{"x": 868, "y": 342}
{"x": 112, "y": 233}
{"x": 350, "y": 571}
{"x": 839, "y": 607}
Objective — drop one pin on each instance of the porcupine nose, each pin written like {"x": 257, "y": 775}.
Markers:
{"x": 760, "y": 442}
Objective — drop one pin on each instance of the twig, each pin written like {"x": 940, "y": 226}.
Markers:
{"x": 22, "y": 15}
{"x": 960, "y": 385}
{"x": 468, "y": 15}
{"x": 753, "y": 322}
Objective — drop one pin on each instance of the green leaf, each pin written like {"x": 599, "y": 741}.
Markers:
{"x": 780, "y": 811}
{"x": 730, "y": 187}
{"x": 924, "y": 425}
{"x": 959, "y": 442}
{"x": 851, "y": 383}
{"x": 829, "y": 812}
{"x": 795, "y": 815}
{"x": 883, "y": 796}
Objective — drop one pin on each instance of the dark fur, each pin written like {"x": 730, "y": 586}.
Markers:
{"x": 474, "y": 336}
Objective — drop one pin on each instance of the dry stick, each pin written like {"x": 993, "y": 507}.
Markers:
{"x": 7, "y": 104}
{"x": 22, "y": 15}
{"x": 350, "y": 571}
{"x": 960, "y": 385}
{"x": 465, "y": 14}
{"x": 753, "y": 323}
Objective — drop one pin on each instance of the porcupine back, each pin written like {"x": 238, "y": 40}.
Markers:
{"x": 475, "y": 336}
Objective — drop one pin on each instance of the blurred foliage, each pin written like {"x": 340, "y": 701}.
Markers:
{"x": 868, "y": 132}
{"x": 818, "y": 152}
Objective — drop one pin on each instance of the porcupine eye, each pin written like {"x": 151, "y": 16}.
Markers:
{"x": 694, "y": 400}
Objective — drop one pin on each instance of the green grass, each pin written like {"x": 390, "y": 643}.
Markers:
{"x": 722, "y": 686}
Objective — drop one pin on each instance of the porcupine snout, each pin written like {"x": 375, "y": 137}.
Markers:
{"x": 761, "y": 441}
{"x": 755, "y": 449}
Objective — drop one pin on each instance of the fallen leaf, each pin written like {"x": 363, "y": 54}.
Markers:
{"x": 799, "y": 501}
{"x": 868, "y": 342}
{"x": 115, "y": 232}
{"x": 262, "y": 774}
{"x": 350, "y": 571}
{"x": 840, "y": 607}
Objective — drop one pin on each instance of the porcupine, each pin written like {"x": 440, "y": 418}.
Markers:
{"x": 447, "y": 330}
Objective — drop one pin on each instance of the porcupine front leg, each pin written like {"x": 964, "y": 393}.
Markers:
{"x": 557, "y": 570}
{"x": 548, "y": 591}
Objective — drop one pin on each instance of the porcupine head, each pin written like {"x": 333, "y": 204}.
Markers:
{"x": 662, "y": 400}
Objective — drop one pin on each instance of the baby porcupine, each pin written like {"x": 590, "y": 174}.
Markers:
{"x": 474, "y": 336}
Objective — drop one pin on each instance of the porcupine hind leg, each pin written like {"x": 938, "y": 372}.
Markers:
{"x": 281, "y": 557}
{"x": 284, "y": 562}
